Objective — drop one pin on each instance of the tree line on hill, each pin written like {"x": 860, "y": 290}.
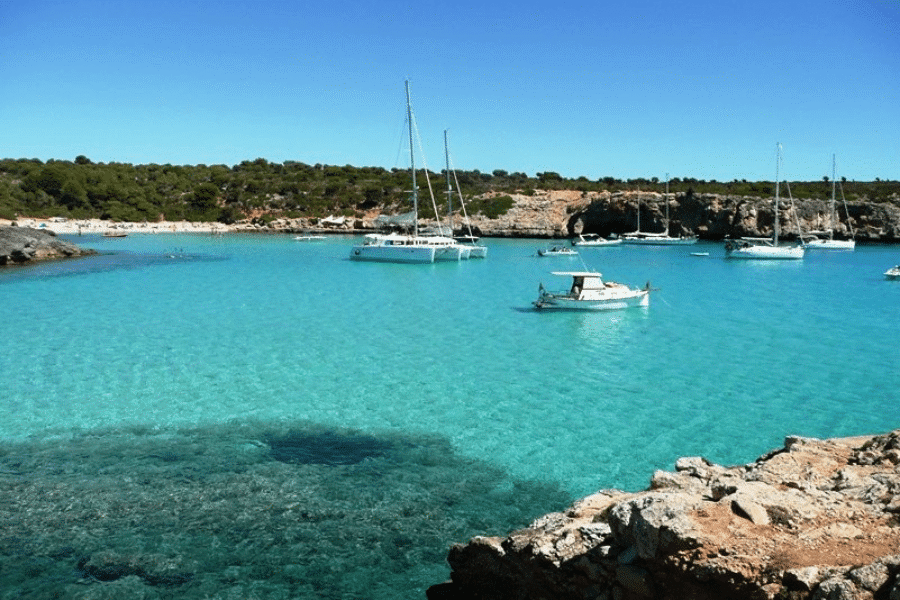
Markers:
{"x": 263, "y": 190}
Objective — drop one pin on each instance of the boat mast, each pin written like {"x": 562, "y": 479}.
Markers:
{"x": 638, "y": 211}
{"x": 412, "y": 164}
{"x": 777, "y": 182}
{"x": 833, "y": 216}
{"x": 449, "y": 186}
{"x": 667, "y": 205}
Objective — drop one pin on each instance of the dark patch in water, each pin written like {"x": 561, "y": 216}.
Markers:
{"x": 104, "y": 262}
{"x": 249, "y": 510}
{"x": 326, "y": 448}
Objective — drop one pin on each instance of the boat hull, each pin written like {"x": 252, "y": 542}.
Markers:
{"x": 659, "y": 241}
{"x": 831, "y": 244}
{"x": 632, "y": 299}
{"x": 478, "y": 252}
{"x": 600, "y": 244}
{"x": 393, "y": 254}
{"x": 451, "y": 253}
{"x": 766, "y": 253}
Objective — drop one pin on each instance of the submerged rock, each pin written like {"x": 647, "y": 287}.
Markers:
{"x": 815, "y": 519}
{"x": 19, "y": 245}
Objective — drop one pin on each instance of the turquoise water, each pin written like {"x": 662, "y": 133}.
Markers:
{"x": 419, "y": 404}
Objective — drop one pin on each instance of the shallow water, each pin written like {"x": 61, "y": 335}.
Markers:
{"x": 254, "y": 416}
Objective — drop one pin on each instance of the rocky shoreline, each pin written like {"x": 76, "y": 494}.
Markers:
{"x": 816, "y": 519}
{"x": 20, "y": 245}
{"x": 566, "y": 213}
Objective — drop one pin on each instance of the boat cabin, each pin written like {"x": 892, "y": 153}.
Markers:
{"x": 582, "y": 281}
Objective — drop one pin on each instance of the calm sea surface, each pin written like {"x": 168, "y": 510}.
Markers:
{"x": 252, "y": 416}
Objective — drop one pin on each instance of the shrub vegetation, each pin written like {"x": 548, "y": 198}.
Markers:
{"x": 260, "y": 189}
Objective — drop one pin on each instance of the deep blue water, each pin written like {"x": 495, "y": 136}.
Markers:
{"x": 251, "y": 416}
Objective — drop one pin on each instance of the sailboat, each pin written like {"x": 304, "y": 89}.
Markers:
{"x": 468, "y": 241}
{"x": 404, "y": 248}
{"x": 656, "y": 239}
{"x": 829, "y": 243}
{"x": 765, "y": 248}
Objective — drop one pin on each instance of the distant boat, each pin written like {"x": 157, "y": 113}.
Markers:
{"x": 765, "y": 248}
{"x": 309, "y": 238}
{"x": 557, "y": 250}
{"x": 656, "y": 239}
{"x": 829, "y": 243}
{"x": 590, "y": 292}
{"x": 469, "y": 241}
{"x": 893, "y": 273}
{"x": 115, "y": 234}
{"x": 404, "y": 248}
{"x": 593, "y": 239}
{"x": 699, "y": 253}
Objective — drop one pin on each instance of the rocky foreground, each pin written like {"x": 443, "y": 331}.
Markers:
{"x": 19, "y": 245}
{"x": 817, "y": 519}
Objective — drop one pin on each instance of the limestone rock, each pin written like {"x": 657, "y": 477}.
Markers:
{"x": 813, "y": 520}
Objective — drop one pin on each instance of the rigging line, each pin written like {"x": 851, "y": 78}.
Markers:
{"x": 796, "y": 216}
{"x": 437, "y": 215}
{"x": 846, "y": 210}
{"x": 462, "y": 202}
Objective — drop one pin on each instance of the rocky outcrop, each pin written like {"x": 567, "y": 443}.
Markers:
{"x": 814, "y": 520}
{"x": 555, "y": 214}
{"x": 20, "y": 245}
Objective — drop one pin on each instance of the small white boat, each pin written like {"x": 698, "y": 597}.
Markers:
{"x": 761, "y": 248}
{"x": 593, "y": 239}
{"x": 829, "y": 244}
{"x": 893, "y": 273}
{"x": 590, "y": 292}
{"x": 699, "y": 253}
{"x": 644, "y": 238}
{"x": 557, "y": 251}
{"x": 309, "y": 238}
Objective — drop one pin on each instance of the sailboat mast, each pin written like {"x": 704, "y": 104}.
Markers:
{"x": 412, "y": 164}
{"x": 833, "y": 216}
{"x": 667, "y": 204}
{"x": 449, "y": 186}
{"x": 777, "y": 182}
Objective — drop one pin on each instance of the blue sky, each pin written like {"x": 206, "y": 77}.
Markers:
{"x": 632, "y": 89}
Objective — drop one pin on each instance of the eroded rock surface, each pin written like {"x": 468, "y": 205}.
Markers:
{"x": 19, "y": 245}
{"x": 817, "y": 519}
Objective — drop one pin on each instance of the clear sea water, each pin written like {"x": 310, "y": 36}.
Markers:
{"x": 188, "y": 416}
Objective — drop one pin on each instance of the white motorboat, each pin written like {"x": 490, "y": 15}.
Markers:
{"x": 590, "y": 292}
{"x": 309, "y": 238}
{"x": 765, "y": 248}
{"x": 644, "y": 238}
{"x": 401, "y": 248}
{"x": 593, "y": 239}
{"x": 557, "y": 251}
{"x": 829, "y": 243}
{"x": 893, "y": 273}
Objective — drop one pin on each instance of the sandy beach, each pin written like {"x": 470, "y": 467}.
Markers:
{"x": 87, "y": 226}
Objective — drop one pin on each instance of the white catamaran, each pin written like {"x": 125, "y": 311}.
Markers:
{"x": 405, "y": 248}
{"x": 765, "y": 248}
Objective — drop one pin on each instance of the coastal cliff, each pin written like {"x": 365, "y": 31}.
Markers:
{"x": 816, "y": 519}
{"x": 19, "y": 245}
{"x": 709, "y": 216}
{"x": 566, "y": 213}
